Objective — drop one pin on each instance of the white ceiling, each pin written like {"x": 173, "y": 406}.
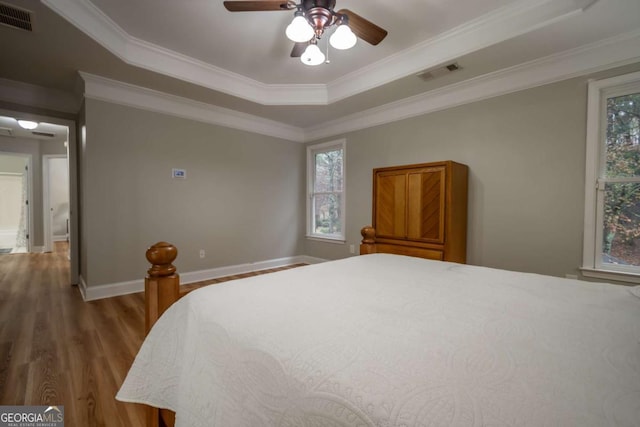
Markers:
{"x": 196, "y": 49}
{"x": 253, "y": 44}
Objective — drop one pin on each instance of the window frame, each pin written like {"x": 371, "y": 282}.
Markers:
{"x": 598, "y": 93}
{"x": 312, "y": 150}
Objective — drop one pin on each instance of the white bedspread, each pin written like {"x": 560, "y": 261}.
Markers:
{"x": 387, "y": 340}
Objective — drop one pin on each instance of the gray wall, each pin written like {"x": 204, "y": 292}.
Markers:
{"x": 242, "y": 200}
{"x": 526, "y": 154}
{"x": 37, "y": 148}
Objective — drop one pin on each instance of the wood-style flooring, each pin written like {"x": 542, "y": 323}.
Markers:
{"x": 56, "y": 349}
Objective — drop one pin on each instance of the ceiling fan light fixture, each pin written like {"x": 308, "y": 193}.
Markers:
{"x": 312, "y": 19}
{"x": 312, "y": 55}
{"x": 27, "y": 124}
{"x": 299, "y": 30}
{"x": 343, "y": 38}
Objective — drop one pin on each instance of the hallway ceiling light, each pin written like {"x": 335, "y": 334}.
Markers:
{"x": 27, "y": 124}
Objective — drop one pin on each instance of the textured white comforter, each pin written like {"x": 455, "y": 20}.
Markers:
{"x": 387, "y": 340}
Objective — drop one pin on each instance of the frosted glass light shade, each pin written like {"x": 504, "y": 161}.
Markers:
{"x": 299, "y": 30}
{"x": 312, "y": 55}
{"x": 27, "y": 124}
{"x": 343, "y": 38}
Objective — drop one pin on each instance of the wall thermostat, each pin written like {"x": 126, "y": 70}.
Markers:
{"x": 179, "y": 173}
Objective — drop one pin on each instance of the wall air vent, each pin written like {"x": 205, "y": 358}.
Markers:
{"x": 47, "y": 134}
{"x": 439, "y": 71}
{"x": 12, "y": 16}
{"x": 6, "y": 131}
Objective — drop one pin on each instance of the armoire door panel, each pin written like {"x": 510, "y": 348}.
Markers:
{"x": 426, "y": 204}
{"x": 391, "y": 205}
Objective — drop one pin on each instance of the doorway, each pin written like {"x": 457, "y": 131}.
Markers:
{"x": 46, "y": 139}
{"x": 15, "y": 218}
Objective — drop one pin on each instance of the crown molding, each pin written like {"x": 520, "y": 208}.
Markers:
{"x": 85, "y": 16}
{"x": 504, "y": 23}
{"x": 103, "y": 89}
{"x": 609, "y": 53}
{"x": 616, "y": 51}
{"x": 620, "y": 50}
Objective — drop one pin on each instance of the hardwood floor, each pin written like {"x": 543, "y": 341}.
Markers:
{"x": 56, "y": 349}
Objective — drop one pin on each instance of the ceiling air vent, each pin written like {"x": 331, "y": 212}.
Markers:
{"x": 439, "y": 71}
{"x": 11, "y": 16}
{"x": 6, "y": 131}
{"x": 47, "y": 134}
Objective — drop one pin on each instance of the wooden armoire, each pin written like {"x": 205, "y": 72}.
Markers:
{"x": 421, "y": 210}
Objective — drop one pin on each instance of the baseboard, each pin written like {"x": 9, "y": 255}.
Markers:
{"x": 90, "y": 293}
{"x": 82, "y": 286}
{"x": 37, "y": 249}
{"x": 60, "y": 238}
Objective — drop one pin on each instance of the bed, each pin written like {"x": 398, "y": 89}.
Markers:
{"x": 387, "y": 340}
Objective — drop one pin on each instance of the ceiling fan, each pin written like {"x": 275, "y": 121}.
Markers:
{"x": 311, "y": 19}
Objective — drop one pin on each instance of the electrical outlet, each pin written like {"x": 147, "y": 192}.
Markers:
{"x": 201, "y": 253}
{"x": 352, "y": 249}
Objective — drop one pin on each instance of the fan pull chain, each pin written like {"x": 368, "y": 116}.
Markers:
{"x": 327, "y": 60}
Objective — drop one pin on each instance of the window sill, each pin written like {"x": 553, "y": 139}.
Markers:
{"x": 334, "y": 240}
{"x": 619, "y": 276}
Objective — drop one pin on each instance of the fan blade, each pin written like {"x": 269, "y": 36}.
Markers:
{"x": 366, "y": 30}
{"x": 298, "y": 49}
{"x": 256, "y": 5}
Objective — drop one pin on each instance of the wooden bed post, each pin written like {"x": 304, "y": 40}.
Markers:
{"x": 161, "y": 289}
{"x": 368, "y": 244}
{"x": 162, "y": 284}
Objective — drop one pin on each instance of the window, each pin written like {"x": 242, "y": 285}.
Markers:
{"x": 612, "y": 186}
{"x": 326, "y": 196}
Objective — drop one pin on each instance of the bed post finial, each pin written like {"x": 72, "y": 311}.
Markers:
{"x": 368, "y": 244}
{"x": 160, "y": 256}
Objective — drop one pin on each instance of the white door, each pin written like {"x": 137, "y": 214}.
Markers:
{"x": 56, "y": 200}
